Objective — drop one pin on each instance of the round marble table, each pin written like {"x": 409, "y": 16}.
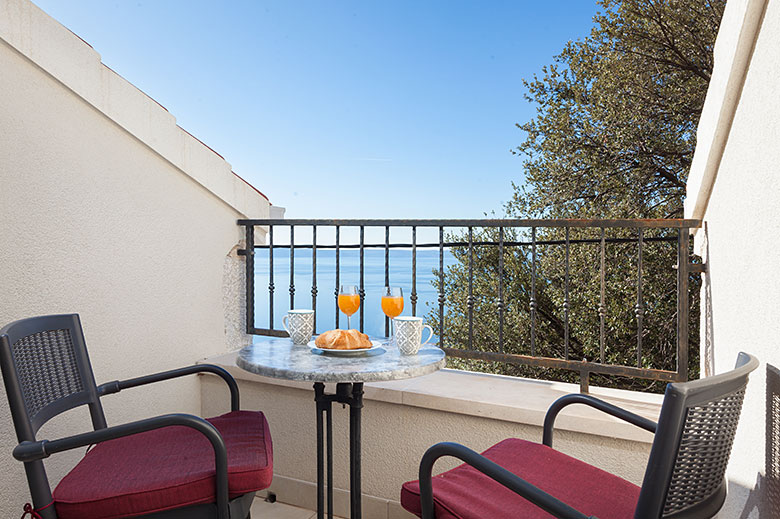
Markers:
{"x": 280, "y": 358}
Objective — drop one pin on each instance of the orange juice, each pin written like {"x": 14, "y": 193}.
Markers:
{"x": 392, "y": 306}
{"x": 349, "y": 303}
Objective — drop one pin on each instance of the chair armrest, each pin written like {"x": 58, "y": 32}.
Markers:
{"x": 117, "y": 385}
{"x": 31, "y": 451}
{"x": 491, "y": 469}
{"x": 555, "y": 408}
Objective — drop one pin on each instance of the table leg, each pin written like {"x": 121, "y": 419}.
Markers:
{"x": 319, "y": 392}
{"x": 328, "y": 414}
{"x": 347, "y": 394}
{"x": 355, "y": 492}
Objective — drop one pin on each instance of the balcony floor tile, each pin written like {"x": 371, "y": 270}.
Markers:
{"x": 265, "y": 510}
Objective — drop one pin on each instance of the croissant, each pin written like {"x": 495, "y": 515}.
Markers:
{"x": 343, "y": 340}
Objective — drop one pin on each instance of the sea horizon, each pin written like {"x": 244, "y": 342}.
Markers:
{"x": 400, "y": 274}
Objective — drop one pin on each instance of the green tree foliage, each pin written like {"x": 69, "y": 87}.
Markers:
{"x": 613, "y": 137}
{"x": 617, "y": 113}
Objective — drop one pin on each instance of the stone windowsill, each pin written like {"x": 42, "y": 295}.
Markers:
{"x": 495, "y": 397}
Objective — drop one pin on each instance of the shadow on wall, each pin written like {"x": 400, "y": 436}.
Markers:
{"x": 753, "y": 506}
{"x": 764, "y": 498}
{"x": 234, "y": 300}
{"x": 708, "y": 349}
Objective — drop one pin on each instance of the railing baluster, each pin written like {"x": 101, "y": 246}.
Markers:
{"x": 566, "y": 302}
{"x": 682, "y": 303}
{"x": 338, "y": 267}
{"x": 602, "y": 308}
{"x": 441, "y": 285}
{"x": 584, "y": 381}
{"x": 250, "y": 279}
{"x": 533, "y": 291}
{"x": 640, "y": 306}
{"x": 501, "y": 291}
{"x": 292, "y": 267}
{"x": 413, "y": 298}
{"x": 271, "y": 277}
{"x": 362, "y": 290}
{"x": 314, "y": 274}
{"x": 387, "y": 273}
{"x": 470, "y": 299}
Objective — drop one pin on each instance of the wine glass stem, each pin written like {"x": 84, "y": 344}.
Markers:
{"x": 349, "y": 322}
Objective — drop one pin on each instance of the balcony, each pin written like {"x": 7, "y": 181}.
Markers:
{"x": 131, "y": 222}
{"x": 301, "y": 263}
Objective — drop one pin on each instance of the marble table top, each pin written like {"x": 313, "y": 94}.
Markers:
{"x": 280, "y": 358}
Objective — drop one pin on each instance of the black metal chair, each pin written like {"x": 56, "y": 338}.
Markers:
{"x": 684, "y": 478}
{"x": 172, "y": 466}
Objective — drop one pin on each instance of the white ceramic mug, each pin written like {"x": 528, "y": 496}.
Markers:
{"x": 300, "y": 325}
{"x": 408, "y": 334}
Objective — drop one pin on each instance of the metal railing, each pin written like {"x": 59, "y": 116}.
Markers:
{"x": 524, "y": 236}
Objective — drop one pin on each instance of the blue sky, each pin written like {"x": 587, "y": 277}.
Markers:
{"x": 343, "y": 109}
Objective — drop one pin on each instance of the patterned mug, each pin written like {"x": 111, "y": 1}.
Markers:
{"x": 300, "y": 325}
{"x": 408, "y": 334}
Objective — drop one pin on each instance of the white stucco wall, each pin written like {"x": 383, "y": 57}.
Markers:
{"x": 741, "y": 211}
{"x": 110, "y": 210}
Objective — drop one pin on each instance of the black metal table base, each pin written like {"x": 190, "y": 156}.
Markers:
{"x": 350, "y": 394}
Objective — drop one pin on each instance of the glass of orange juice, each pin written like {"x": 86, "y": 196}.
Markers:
{"x": 349, "y": 301}
{"x": 392, "y": 304}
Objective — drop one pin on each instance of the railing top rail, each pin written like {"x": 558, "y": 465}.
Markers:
{"x": 635, "y": 223}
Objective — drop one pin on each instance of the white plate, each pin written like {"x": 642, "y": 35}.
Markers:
{"x": 375, "y": 349}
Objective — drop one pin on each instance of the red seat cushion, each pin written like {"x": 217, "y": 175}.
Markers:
{"x": 466, "y": 493}
{"x": 166, "y": 468}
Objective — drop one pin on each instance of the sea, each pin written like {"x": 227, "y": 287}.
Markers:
{"x": 349, "y": 271}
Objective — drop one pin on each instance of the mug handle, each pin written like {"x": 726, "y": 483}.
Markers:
{"x": 284, "y": 325}
{"x": 430, "y": 335}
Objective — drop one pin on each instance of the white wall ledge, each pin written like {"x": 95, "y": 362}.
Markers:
{"x": 497, "y": 397}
